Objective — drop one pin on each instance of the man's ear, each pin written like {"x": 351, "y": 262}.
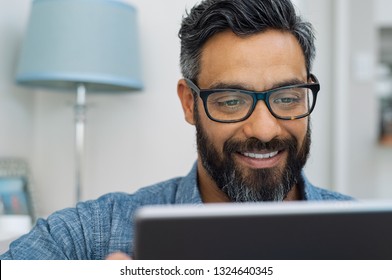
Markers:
{"x": 187, "y": 101}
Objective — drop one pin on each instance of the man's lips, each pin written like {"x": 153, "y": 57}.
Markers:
{"x": 260, "y": 155}
{"x": 260, "y": 159}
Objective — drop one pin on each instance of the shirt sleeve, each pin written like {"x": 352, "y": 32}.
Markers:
{"x": 92, "y": 230}
{"x": 63, "y": 235}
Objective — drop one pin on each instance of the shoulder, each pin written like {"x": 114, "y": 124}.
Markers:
{"x": 160, "y": 193}
{"x": 119, "y": 203}
{"x": 119, "y": 206}
{"x": 312, "y": 192}
{"x": 325, "y": 194}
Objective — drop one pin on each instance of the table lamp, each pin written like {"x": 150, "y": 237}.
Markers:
{"x": 81, "y": 46}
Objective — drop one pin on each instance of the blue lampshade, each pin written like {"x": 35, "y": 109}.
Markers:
{"x": 69, "y": 42}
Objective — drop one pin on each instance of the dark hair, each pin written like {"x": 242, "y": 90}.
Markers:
{"x": 243, "y": 17}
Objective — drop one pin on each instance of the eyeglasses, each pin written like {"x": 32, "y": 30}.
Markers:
{"x": 236, "y": 105}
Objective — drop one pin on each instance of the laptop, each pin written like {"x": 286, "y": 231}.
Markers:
{"x": 273, "y": 231}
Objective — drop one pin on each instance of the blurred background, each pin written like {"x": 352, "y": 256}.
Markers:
{"x": 140, "y": 138}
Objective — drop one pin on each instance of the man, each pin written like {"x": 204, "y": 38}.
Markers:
{"x": 249, "y": 91}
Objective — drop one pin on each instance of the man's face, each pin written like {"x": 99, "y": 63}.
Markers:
{"x": 260, "y": 158}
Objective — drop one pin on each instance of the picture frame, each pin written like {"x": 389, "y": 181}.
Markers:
{"x": 16, "y": 196}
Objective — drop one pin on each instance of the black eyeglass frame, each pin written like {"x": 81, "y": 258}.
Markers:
{"x": 256, "y": 96}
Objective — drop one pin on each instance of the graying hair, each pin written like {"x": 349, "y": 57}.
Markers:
{"x": 243, "y": 17}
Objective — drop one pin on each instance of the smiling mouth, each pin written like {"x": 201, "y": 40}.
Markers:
{"x": 260, "y": 155}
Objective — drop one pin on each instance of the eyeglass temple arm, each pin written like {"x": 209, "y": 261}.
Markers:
{"x": 192, "y": 85}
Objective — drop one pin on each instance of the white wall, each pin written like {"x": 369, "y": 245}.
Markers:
{"x": 369, "y": 164}
{"x": 383, "y": 155}
{"x": 16, "y": 105}
{"x": 137, "y": 139}
{"x": 362, "y": 108}
{"x": 318, "y": 168}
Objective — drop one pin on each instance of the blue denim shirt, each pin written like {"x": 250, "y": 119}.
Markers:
{"x": 99, "y": 227}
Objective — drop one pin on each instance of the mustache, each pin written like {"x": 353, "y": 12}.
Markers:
{"x": 254, "y": 144}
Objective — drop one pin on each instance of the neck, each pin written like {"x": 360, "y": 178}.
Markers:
{"x": 293, "y": 194}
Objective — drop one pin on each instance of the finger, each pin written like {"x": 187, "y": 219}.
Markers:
{"x": 118, "y": 256}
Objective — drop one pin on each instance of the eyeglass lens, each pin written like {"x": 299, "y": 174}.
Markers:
{"x": 235, "y": 105}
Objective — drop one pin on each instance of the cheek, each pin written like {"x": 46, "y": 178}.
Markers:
{"x": 297, "y": 129}
{"x": 217, "y": 133}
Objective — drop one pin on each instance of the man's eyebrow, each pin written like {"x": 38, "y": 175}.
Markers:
{"x": 291, "y": 82}
{"x": 240, "y": 86}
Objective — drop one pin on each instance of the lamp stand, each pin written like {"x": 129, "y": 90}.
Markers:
{"x": 80, "y": 121}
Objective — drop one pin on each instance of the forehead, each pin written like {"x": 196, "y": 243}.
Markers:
{"x": 257, "y": 61}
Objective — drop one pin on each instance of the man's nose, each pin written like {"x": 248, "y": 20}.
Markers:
{"x": 262, "y": 124}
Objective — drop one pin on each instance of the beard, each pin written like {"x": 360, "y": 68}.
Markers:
{"x": 243, "y": 184}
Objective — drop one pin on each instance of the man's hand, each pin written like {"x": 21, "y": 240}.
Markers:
{"x": 118, "y": 256}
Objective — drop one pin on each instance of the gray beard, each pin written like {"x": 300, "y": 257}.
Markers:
{"x": 239, "y": 189}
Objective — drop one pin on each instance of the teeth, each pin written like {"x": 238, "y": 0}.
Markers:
{"x": 260, "y": 156}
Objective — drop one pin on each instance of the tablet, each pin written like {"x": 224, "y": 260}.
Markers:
{"x": 273, "y": 231}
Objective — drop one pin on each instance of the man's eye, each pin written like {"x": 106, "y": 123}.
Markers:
{"x": 289, "y": 97}
{"x": 286, "y": 100}
{"x": 231, "y": 102}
